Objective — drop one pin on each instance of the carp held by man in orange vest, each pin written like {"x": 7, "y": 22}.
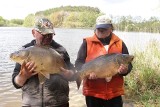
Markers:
{"x": 104, "y": 66}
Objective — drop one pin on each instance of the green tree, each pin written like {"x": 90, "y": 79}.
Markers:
{"x": 88, "y": 18}
{"x": 16, "y": 22}
{"x": 2, "y": 21}
{"x": 57, "y": 18}
{"x": 29, "y": 20}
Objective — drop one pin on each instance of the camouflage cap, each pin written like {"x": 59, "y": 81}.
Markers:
{"x": 44, "y": 26}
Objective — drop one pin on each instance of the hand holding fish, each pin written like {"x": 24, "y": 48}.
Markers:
{"x": 27, "y": 70}
{"x": 122, "y": 69}
{"x": 92, "y": 75}
{"x": 51, "y": 65}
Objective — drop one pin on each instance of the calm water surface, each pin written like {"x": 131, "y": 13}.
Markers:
{"x": 12, "y": 39}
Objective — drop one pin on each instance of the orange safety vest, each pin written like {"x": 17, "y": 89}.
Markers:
{"x": 99, "y": 87}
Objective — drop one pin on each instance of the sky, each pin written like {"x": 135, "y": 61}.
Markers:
{"x": 19, "y": 9}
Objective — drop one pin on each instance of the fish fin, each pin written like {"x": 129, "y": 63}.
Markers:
{"x": 108, "y": 79}
{"x": 46, "y": 75}
{"x": 78, "y": 79}
{"x": 41, "y": 78}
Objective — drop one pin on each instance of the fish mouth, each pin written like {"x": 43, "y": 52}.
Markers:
{"x": 11, "y": 56}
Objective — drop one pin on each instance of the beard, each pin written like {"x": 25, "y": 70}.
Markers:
{"x": 46, "y": 41}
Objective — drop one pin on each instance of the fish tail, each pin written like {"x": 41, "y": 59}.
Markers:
{"x": 78, "y": 79}
{"x": 42, "y": 78}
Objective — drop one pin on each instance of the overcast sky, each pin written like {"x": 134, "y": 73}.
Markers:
{"x": 10, "y": 9}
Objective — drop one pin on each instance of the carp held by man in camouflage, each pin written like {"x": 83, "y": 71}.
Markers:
{"x": 104, "y": 66}
{"x": 47, "y": 60}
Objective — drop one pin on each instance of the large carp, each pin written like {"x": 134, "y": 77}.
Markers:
{"x": 104, "y": 66}
{"x": 47, "y": 60}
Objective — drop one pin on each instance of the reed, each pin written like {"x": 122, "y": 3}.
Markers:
{"x": 143, "y": 83}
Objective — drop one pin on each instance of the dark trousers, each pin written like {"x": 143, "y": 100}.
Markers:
{"x": 97, "y": 102}
{"x": 65, "y": 105}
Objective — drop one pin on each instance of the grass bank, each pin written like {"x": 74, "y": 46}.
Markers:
{"x": 143, "y": 83}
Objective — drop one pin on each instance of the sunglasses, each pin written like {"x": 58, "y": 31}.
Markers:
{"x": 47, "y": 35}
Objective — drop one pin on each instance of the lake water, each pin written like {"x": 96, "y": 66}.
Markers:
{"x": 12, "y": 38}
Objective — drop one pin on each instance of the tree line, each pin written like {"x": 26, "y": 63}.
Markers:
{"x": 85, "y": 17}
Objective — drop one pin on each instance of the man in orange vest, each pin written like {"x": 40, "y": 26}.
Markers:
{"x": 98, "y": 92}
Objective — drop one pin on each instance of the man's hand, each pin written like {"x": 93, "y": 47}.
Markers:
{"x": 122, "y": 69}
{"x": 26, "y": 71}
{"x": 67, "y": 73}
{"x": 92, "y": 76}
